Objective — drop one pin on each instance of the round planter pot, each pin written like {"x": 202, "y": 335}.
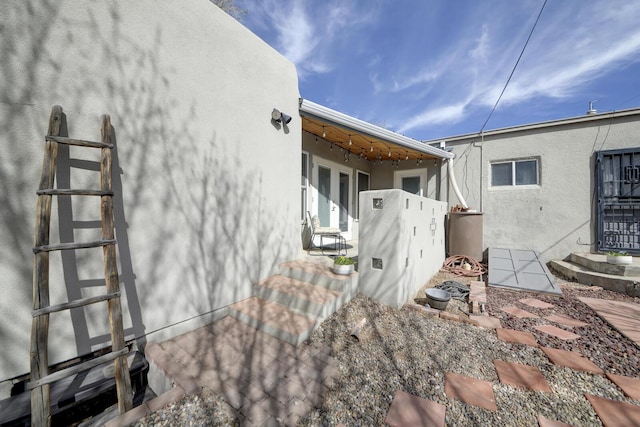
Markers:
{"x": 344, "y": 270}
{"x": 620, "y": 260}
{"x": 437, "y": 298}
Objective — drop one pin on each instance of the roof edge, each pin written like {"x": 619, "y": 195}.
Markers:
{"x": 539, "y": 125}
{"x": 319, "y": 111}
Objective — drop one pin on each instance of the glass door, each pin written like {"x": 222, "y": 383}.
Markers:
{"x": 334, "y": 198}
{"x": 343, "y": 204}
{"x": 324, "y": 196}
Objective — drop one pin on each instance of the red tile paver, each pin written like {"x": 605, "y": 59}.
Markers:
{"x": 614, "y": 413}
{"x": 518, "y": 312}
{"x": 470, "y": 390}
{"x": 518, "y": 337}
{"x": 533, "y": 302}
{"x": 518, "y": 375}
{"x": 566, "y": 321}
{"x": 557, "y": 332}
{"x": 571, "y": 359}
{"x": 488, "y": 322}
{"x": 548, "y": 422}
{"x": 409, "y": 410}
{"x": 630, "y": 386}
{"x": 624, "y": 316}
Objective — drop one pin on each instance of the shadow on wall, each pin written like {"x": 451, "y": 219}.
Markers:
{"x": 83, "y": 270}
{"x": 191, "y": 229}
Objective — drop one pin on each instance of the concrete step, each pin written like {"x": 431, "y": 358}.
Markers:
{"x": 598, "y": 262}
{"x": 629, "y": 285}
{"x": 275, "y": 319}
{"x": 320, "y": 274}
{"x": 304, "y": 298}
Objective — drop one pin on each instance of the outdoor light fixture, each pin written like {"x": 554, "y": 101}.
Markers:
{"x": 280, "y": 117}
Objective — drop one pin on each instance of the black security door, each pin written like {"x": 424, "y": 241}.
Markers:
{"x": 618, "y": 189}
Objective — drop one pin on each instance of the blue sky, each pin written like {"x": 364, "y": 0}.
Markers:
{"x": 435, "y": 68}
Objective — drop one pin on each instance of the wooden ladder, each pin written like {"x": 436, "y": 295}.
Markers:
{"x": 40, "y": 376}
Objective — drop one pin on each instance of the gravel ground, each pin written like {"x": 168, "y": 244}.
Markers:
{"x": 404, "y": 350}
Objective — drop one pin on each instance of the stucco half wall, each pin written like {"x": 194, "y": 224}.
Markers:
{"x": 401, "y": 244}
{"x": 207, "y": 186}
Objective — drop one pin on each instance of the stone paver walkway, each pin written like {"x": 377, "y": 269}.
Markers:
{"x": 560, "y": 333}
{"x": 519, "y": 313}
{"x": 517, "y": 337}
{"x": 567, "y": 321}
{"x": 536, "y": 303}
{"x": 623, "y": 316}
{"x": 264, "y": 380}
{"x": 571, "y": 359}
{"x": 614, "y": 413}
{"x": 408, "y": 410}
{"x": 519, "y": 375}
{"x": 470, "y": 390}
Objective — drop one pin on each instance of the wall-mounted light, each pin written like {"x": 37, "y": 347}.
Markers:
{"x": 280, "y": 117}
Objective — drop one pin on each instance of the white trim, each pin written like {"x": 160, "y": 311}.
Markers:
{"x": 336, "y": 169}
{"x": 539, "y": 125}
{"x": 356, "y": 187}
{"x": 513, "y": 173}
{"x": 308, "y": 108}
{"x": 421, "y": 173}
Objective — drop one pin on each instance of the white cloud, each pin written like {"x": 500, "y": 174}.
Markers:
{"x": 308, "y": 33}
{"x": 437, "y": 115}
{"x": 568, "y": 50}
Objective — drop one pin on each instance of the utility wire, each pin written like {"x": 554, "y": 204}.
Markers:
{"x": 514, "y": 67}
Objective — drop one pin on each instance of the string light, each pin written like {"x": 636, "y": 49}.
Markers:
{"x": 350, "y": 140}
{"x": 324, "y": 134}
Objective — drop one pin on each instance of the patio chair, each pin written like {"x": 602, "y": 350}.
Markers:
{"x": 340, "y": 243}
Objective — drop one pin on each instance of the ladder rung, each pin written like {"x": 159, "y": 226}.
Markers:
{"x": 79, "y": 142}
{"x": 70, "y": 192}
{"x": 72, "y": 370}
{"x": 68, "y": 246}
{"x": 74, "y": 304}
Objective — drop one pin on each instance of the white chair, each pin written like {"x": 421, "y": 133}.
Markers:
{"x": 340, "y": 243}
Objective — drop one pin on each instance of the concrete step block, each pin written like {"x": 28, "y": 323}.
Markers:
{"x": 629, "y": 285}
{"x": 275, "y": 319}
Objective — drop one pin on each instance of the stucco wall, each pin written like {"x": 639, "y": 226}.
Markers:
{"x": 557, "y": 216}
{"x": 406, "y": 234}
{"x": 207, "y": 187}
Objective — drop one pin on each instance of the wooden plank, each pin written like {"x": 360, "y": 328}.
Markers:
{"x": 74, "y": 304}
{"x": 72, "y": 370}
{"x": 75, "y": 245}
{"x": 78, "y": 142}
{"x": 123, "y": 381}
{"x": 71, "y": 192}
{"x": 40, "y": 399}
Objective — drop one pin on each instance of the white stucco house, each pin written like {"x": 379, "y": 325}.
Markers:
{"x": 557, "y": 187}
{"x": 208, "y": 186}
{"x": 211, "y": 192}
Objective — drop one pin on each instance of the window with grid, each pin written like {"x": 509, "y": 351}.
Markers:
{"x": 515, "y": 172}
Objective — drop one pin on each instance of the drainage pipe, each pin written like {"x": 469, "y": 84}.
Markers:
{"x": 454, "y": 184}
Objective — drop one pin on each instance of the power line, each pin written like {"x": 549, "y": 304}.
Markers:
{"x": 514, "y": 67}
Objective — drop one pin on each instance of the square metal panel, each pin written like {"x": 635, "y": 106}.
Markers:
{"x": 520, "y": 269}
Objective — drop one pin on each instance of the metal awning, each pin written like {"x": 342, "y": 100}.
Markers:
{"x": 362, "y": 138}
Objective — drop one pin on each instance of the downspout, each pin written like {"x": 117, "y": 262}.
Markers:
{"x": 454, "y": 184}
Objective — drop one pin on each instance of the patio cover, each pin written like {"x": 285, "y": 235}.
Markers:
{"x": 362, "y": 138}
